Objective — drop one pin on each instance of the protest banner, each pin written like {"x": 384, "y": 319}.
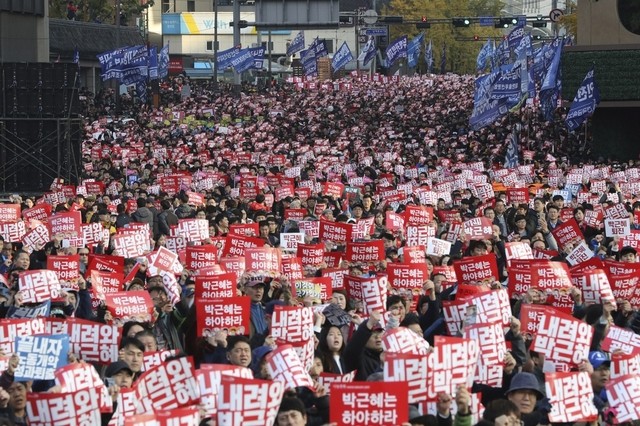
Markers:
{"x": 40, "y": 356}
{"x": 29, "y": 311}
{"x": 129, "y": 306}
{"x": 567, "y": 233}
{"x": 451, "y": 364}
{"x": 167, "y": 386}
{"x": 245, "y": 229}
{"x": 130, "y": 245}
{"x": 310, "y": 254}
{"x": 517, "y": 250}
{"x": 39, "y": 286}
{"x": 530, "y": 316}
{"x": 367, "y": 251}
{"x": 491, "y": 343}
{"x": 326, "y": 380}
{"x": 478, "y": 228}
{"x": 407, "y": 276}
{"x": 623, "y": 364}
{"x": 209, "y": 378}
{"x": 594, "y": 285}
{"x": 216, "y": 287}
{"x": 193, "y": 230}
{"x": 93, "y": 341}
{"x": 64, "y": 225}
{"x": 36, "y": 238}
{"x": 237, "y": 245}
{"x": 437, "y": 247}
{"x": 153, "y": 359}
{"x": 418, "y": 215}
{"x": 264, "y": 259}
{"x": 289, "y": 241}
{"x": 66, "y": 268}
{"x": 477, "y": 269}
{"x": 11, "y": 328}
{"x": 230, "y": 314}
{"x": 401, "y": 340}
{"x": 414, "y": 254}
{"x": 620, "y": 339}
{"x": 562, "y": 339}
{"x": 410, "y": 368}
{"x": 419, "y": 235}
{"x": 200, "y": 257}
{"x": 623, "y": 394}
{"x": 292, "y": 324}
{"x": 248, "y": 401}
{"x": 70, "y": 408}
{"x": 338, "y": 233}
{"x": 292, "y": 268}
{"x": 80, "y": 376}
{"x": 285, "y": 366}
{"x": 369, "y": 403}
{"x": 571, "y": 397}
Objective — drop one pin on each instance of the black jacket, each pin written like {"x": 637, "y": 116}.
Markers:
{"x": 357, "y": 357}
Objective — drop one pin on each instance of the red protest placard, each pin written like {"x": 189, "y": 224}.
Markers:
{"x": 13, "y": 231}
{"x": 236, "y": 245}
{"x": 567, "y": 233}
{"x": 488, "y": 307}
{"x": 562, "y": 338}
{"x": 491, "y": 343}
{"x": 285, "y": 366}
{"x": 373, "y": 292}
{"x": 624, "y": 286}
{"x": 291, "y": 268}
{"x": 231, "y": 314}
{"x": 130, "y": 245}
{"x": 245, "y": 229}
{"x": 292, "y": 324}
{"x": 94, "y": 342}
{"x": 332, "y": 259}
{"x": 295, "y": 214}
{"x": 366, "y": 251}
{"x": 478, "y": 228}
{"x": 168, "y": 386}
{"x": 571, "y": 397}
{"x": 66, "y": 224}
{"x": 369, "y": 403}
{"x": 333, "y": 189}
{"x": 517, "y": 250}
{"x": 105, "y": 262}
{"x": 82, "y": 406}
{"x": 310, "y": 254}
{"x": 339, "y": 233}
{"x": 477, "y": 269}
{"x": 36, "y": 238}
{"x": 216, "y": 287}
{"x": 80, "y": 376}
{"x": 337, "y": 276}
{"x": 453, "y": 363}
{"x": 408, "y": 368}
{"x": 595, "y": 286}
{"x": 517, "y": 195}
{"x": 418, "y": 215}
{"x": 105, "y": 282}
{"x": 194, "y": 230}
{"x": 623, "y": 393}
{"x": 39, "y": 212}
{"x": 283, "y": 192}
{"x": 621, "y": 339}
{"x": 413, "y": 254}
{"x": 248, "y": 401}
{"x": 38, "y": 286}
{"x": 401, "y": 340}
{"x": 164, "y": 259}
{"x": 209, "y": 377}
{"x": 129, "y": 306}
{"x": 326, "y": 380}
{"x": 407, "y": 276}
{"x": 530, "y": 316}
{"x": 9, "y": 212}
{"x": 623, "y": 364}
{"x": 394, "y": 222}
{"x": 199, "y": 257}
{"x": 264, "y": 259}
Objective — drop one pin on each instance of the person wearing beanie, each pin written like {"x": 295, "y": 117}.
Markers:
{"x": 291, "y": 412}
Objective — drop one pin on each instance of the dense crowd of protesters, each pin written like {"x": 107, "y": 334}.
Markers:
{"x": 371, "y": 136}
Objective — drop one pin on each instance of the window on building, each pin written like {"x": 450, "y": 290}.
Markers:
{"x": 329, "y": 44}
{"x": 191, "y": 5}
{"x": 629, "y": 13}
{"x": 166, "y": 6}
{"x": 210, "y": 45}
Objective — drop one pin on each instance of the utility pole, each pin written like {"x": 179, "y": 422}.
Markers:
{"x": 215, "y": 44}
{"x": 118, "y": 99}
{"x": 236, "y": 43}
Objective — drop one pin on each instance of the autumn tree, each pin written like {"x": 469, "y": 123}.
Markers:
{"x": 461, "y": 49}
{"x": 102, "y": 11}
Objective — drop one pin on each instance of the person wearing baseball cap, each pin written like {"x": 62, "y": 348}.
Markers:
{"x": 291, "y": 412}
{"x": 601, "y": 374}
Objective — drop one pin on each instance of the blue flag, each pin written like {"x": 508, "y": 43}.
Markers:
{"x": 258, "y": 57}
{"x": 153, "y": 63}
{"x": 584, "y": 104}
{"x": 484, "y": 54}
{"x": 485, "y": 110}
{"x": 76, "y": 57}
{"x": 549, "y": 81}
{"x": 368, "y": 51}
{"x": 413, "y": 50}
{"x": 309, "y": 62}
{"x": 342, "y": 57}
{"x": 225, "y": 57}
{"x": 141, "y": 90}
{"x": 396, "y": 50}
{"x": 508, "y": 85}
{"x": 163, "y": 62}
{"x": 513, "y": 141}
{"x": 524, "y": 45}
{"x": 428, "y": 57}
{"x": 443, "y": 59}
{"x": 515, "y": 36}
{"x": 319, "y": 47}
{"x": 297, "y": 44}
{"x": 501, "y": 54}
{"x": 242, "y": 61}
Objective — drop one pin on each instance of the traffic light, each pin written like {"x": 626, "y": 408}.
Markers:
{"x": 539, "y": 22}
{"x": 461, "y": 22}
{"x": 391, "y": 20}
{"x": 504, "y": 22}
{"x": 423, "y": 24}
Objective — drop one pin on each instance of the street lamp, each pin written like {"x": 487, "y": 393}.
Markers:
{"x": 215, "y": 44}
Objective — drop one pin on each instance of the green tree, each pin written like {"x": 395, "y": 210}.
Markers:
{"x": 569, "y": 20}
{"x": 461, "y": 49}
{"x": 99, "y": 10}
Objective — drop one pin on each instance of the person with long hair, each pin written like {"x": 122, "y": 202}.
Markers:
{"x": 331, "y": 347}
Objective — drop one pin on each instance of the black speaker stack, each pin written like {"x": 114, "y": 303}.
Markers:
{"x": 40, "y": 126}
